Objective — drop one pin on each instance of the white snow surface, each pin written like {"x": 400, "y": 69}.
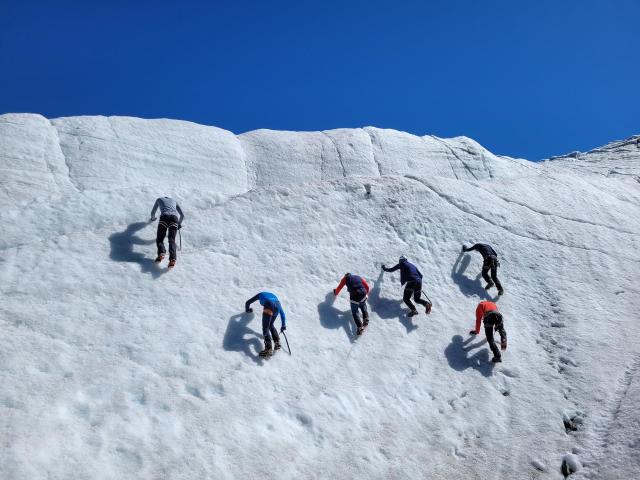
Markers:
{"x": 114, "y": 368}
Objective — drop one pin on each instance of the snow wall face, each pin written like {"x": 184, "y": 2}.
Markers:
{"x": 281, "y": 158}
{"x": 109, "y": 153}
{"x": 124, "y": 370}
{"x": 69, "y": 170}
{"x": 32, "y": 162}
{"x": 45, "y": 157}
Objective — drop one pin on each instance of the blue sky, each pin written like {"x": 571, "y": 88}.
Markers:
{"x": 526, "y": 79}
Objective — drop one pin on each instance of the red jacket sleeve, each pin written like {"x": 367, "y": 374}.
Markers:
{"x": 482, "y": 308}
{"x": 366, "y": 285}
{"x": 340, "y": 285}
{"x": 479, "y": 314}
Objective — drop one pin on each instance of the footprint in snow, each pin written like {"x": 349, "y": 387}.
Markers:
{"x": 573, "y": 421}
{"x": 194, "y": 391}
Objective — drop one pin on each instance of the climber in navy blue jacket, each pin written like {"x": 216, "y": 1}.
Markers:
{"x": 271, "y": 309}
{"x": 411, "y": 278}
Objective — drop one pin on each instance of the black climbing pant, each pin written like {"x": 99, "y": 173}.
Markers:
{"x": 269, "y": 315}
{"x": 167, "y": 223}
{"x": 359, "y": 303}
{"x": 413, "y": 289}
{"x": 488, "y": 330}
{"x": 490, "y": 264}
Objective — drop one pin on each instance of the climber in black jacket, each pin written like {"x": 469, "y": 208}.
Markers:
{"x": 490, "y": 263}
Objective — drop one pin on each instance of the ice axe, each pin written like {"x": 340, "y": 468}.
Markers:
{"x": 428, "y": 300}
{"x": 286, "y": 340}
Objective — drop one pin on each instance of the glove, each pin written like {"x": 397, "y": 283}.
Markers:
{"x": 384, "y": 267}
{"x": 283, "y": 328}
{"x": 249, "y": 310}
{"x": 464, "y": 248}
{"x": 152, "y": 219}
{"x": 179, "y": 227}
{"x": 472, "y": 332}
{"x": 335, "y": 292}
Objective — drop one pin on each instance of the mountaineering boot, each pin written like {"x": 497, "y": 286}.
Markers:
{"x": 496, "y": 360}
{"x": 359, "y": 331}
{"x": 276, "y": 345}
{"x": 159, "y": 258}
{"x": 365, "y": 321}
{"x": 267, "y": 352}
{"x": 172, "y": 263}
{"x": 412, "y": 313}
{"x": 427, "y": 309}
{"x": 489, "y": 285}
{"x": 503, "y": 344}
{"x": 500, "y": 292}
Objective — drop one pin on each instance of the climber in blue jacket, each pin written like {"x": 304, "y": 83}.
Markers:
{"x": 411, "y": 278}
{"x": 271, "y": 309}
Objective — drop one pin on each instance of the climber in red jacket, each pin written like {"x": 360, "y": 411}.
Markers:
{"x": 358, "y": 291}
{"x": 487, "y": 312}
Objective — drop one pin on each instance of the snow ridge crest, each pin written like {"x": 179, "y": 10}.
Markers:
{"x": 99, "y": 153}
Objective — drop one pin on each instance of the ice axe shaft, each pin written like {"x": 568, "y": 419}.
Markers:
{"x": 286, "y": 340}
{"x": 428, "y": 300}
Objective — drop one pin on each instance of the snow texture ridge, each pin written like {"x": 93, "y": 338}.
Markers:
{"x": 98, "y": 153}
{"x": 616, "y": 158}
{"x": 113, "y": 368}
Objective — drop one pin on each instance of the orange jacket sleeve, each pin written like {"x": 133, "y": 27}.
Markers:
{"x": 340, "y": 285}
{"x": 479, "y": 314}
{"x": 366, "y": 285}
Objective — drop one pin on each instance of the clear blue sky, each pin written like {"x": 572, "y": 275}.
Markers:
{"x": 528, "y": 79}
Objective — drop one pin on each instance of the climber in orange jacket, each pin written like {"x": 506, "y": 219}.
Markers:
{"x": 487, "y": 312}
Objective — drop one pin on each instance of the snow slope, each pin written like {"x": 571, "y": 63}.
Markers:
{"x": 113, "y": 368}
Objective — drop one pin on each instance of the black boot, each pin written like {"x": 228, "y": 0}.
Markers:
{"x": 267, "y": 352}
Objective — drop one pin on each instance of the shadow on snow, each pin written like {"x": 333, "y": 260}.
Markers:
{"x": 458, "y": 358}
{"x": 386, "y": 308}
{"x": 469, "y": 287}
{"x": 235, "y": 338}
{"x": 334, "y": 318}
{"x": 122, "y": 244}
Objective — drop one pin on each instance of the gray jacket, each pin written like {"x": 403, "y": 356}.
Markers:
{"x": 168, "y": 206}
